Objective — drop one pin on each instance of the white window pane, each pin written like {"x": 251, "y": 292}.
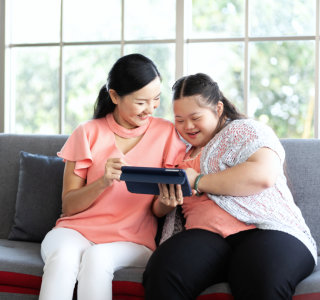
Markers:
{"x": 145, "y": 19}
{"x": 35, "y": 89}
{"x": 34, "y": 21}
{"x": 94, "y": 20}
{"x": 86, "y": 70}
{"x": 282, "y": 17}
{"x": 282, "y": 86}
{"x": 163, "y": 55}
{"x": 217, "y": 18}
{"x": 223, "y": 62}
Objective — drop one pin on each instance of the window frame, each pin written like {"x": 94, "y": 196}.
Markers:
{"x": 183, "y": 9}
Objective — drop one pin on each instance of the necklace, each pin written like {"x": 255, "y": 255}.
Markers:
{"x": 125, "y": 132}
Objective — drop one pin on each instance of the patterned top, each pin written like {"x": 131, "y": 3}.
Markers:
{"x": 273, "y": 208}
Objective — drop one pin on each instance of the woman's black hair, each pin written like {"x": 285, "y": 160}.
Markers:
{"x": 129, "y": 74}
{"x": 201, "y": 84}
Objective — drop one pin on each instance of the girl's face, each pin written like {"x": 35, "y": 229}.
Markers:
{"x": 196, "y": 124}
{"x": 133, "y": 110}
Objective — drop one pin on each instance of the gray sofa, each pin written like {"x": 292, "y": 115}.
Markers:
{"x": 30, "y": 188}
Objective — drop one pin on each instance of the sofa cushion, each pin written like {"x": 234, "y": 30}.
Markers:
{"x": 10, "y": 147}
{"x": 21, "y": 258}
{"x": 302, "y": 170}
{"x": 38, "y": 202}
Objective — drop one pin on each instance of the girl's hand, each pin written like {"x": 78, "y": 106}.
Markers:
{"x": 171, "y": 196}
{"x": 112, "y": 170}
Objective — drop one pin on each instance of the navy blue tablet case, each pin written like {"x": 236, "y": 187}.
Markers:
{"x": 144, "y": 180}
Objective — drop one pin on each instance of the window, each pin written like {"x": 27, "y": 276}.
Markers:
{"x": 263, "y": 54}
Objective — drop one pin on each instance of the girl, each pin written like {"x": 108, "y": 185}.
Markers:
{"x": 104, "y": 227}
{"x": 242, "y": 225}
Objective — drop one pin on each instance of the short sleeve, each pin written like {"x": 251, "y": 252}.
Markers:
{"x": 246, "y": 137}
{"x": 236, "y": 143}
{"x": 77, "y": 149}
{"x": 175, "y": 150}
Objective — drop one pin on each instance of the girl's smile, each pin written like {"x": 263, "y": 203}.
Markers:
{"x": 195, "y": 122}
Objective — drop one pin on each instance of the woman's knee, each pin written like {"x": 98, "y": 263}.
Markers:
{"x": 95, "y": 259}
{"x": 65, "y": 257}
{"x": 63, "y": 243}
{"x": 62, "y": 249}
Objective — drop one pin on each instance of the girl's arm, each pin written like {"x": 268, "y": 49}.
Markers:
{"x": 77, "y": 196}
{"x": 259, "y": 172}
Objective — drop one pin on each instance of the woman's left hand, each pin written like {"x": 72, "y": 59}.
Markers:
{"x": 171, "y": 196}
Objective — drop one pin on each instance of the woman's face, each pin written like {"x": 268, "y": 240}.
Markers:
{"x": 196, "y": 124}
{"x": 133, "y": 110}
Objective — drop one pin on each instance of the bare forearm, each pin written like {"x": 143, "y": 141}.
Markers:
{"x": 241, "y": 180}
{"x": 77, "y": 200}
{"x": 259, "y": 172}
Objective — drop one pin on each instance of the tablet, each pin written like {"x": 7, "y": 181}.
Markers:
{"x": 144, "y": 180}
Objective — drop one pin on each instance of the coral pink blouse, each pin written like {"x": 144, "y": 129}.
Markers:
{"x": 118, "y": 215}
{"x": 201, "y": 212}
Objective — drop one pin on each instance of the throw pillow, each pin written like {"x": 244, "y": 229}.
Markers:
{"x": 38, "y": 202}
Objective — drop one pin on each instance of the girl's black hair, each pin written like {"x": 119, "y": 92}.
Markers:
{"x": 201, "y": 84}
{"x": 129, "y": 74}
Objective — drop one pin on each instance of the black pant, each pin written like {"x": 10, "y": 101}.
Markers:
{"x": 258, "y": 264}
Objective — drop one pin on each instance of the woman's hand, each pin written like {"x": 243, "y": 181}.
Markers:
{"x": 168, "y": 199}
{"x": 171, "y": 196}
{"x": 113, "y": 170}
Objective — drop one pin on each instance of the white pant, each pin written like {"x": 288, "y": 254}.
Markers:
{"x": 69, "y": 257}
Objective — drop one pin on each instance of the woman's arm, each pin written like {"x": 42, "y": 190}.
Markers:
{"x": 259, "y": 172}
{"x": 77, "y": 196}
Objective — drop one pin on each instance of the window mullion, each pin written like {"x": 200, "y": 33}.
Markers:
{"x": 61, "y": 76}
{"x": 317, "y": 79}
{"x": 122, "y": 28}
{"x": 246, "y": 79}
{"x": 180, "y": 30}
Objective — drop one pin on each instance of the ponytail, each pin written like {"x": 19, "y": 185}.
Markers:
{"x": 229, "y": 110}
{"x": 103, "y": 105}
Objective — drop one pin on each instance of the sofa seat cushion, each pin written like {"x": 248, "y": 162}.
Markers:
{"x": 21, "y": 268}
{"x": 20, "y": 257}
{"x": 310, "y": 285}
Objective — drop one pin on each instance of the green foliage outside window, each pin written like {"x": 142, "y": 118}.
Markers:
{"x": 281, "y": 81}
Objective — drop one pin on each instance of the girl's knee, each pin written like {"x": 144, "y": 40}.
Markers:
{"x": 263, "y": 288}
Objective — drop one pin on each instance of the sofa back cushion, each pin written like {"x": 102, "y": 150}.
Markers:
{"x": 303, "y": 173}
{"x": 10, "y": 147}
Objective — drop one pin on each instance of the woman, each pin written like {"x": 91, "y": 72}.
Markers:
{"x": 242, "y": 225}
{"x": 104, "y": 227}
